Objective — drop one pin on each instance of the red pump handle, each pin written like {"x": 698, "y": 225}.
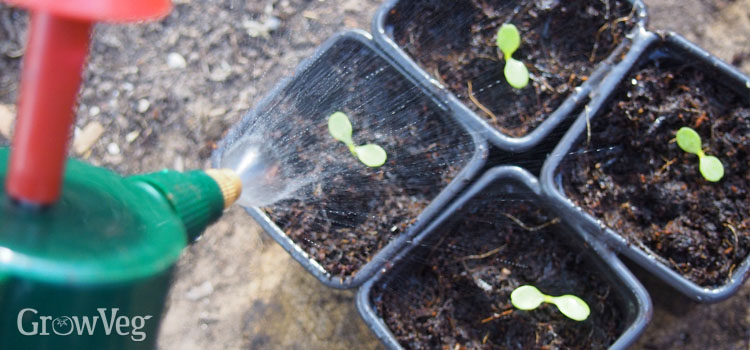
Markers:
{"x": 100, "y": 10}
{"x": 58, "y": 43}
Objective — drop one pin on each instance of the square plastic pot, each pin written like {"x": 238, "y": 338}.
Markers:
{"x": 508, "y": 183}
{"x": 315, "y": 88}
{"x": 653, "y": 46}
{"x": 382, "y": 32}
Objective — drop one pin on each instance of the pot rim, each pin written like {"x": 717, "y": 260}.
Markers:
{"x": 462, "y": 178}
{"x": 578, "y": 217}
{"x": 494, "y": 136}
{"x": 513, "y": 174}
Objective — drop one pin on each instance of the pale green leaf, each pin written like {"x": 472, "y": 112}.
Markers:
{"x": 340, "y": 128}
{"x": 711, "y": 168}
{"x": 516, "y": 73}
{"x": 572, "y": 306}
{"x": 508, "y": 39}
{"x": 689, "y": 140}
{"x": 526, "y": 297}
{"x": 371, "y": 155}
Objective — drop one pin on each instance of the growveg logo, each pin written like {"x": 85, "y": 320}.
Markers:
{"x": 30, "y": 323}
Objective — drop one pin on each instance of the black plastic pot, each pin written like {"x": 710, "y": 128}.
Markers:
{"x": 506, "y": 183}
{"x": 383, "y": 37}
{"x": 653, "y": 47}
{"x": 331, "y": 62}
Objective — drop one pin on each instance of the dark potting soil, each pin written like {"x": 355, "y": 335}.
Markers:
{"x": 635, "y": 178}
{"x": 346, "y": 217}
{"x": 458, "y": 296}
{"x": 561, "y": 43}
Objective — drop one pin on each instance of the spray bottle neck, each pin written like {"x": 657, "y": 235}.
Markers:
{"x": 197, "y": 197}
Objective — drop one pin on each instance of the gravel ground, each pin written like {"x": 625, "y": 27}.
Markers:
{"x": 163, "y": 93}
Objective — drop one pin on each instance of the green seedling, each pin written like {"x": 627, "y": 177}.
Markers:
{"x": 528, "y": 297}
{"x": 341, "y": 129}
{"x": 508, "y": 40}
{"x": 690, "y": 142}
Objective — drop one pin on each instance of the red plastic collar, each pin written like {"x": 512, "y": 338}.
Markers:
{"x": 58, "y": 42}
{"x": 100, "y": 10}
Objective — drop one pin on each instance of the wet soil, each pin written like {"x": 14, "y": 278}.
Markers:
{"x": 344, "y": 219}
{"x": 635, "y": 178}
{"x": 561, "y": 43}
{"x": 458, "y": 295}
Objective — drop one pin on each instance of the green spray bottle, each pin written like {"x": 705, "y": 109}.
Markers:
{"x": 86, "y": 256}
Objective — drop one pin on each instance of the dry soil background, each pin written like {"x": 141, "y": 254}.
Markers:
{"x": 161, "y": 94}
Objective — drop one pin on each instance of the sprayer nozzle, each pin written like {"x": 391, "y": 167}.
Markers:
{"x": 229, "y": 183}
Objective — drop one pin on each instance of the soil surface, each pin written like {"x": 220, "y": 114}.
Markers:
{"x": 561, "y": 43}
{"x": 458, "y": 296}
{"x": 680, "y": 323}
{"x": 236, "y": 288}
{"x": 344, "y": 219}
{"x": 635, "y": 178}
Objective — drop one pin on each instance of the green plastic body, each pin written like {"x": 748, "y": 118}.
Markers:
{"x": 103, "y": 253}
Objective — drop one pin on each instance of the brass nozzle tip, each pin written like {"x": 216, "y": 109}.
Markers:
{"x": 229, "y": 183}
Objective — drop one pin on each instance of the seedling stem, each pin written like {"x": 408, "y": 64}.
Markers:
{"x": 710, "y": 167}
{"x": 341, "y": 129}
{"x": 528, "y": 297}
